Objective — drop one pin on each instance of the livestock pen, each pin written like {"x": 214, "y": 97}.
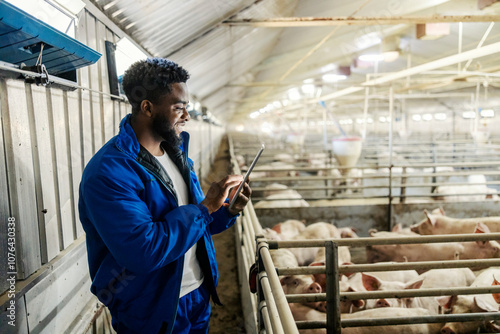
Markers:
{"x": 272, "y": 313}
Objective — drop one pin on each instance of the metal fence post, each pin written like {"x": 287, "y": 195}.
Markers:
{"x": 332, "y": 288}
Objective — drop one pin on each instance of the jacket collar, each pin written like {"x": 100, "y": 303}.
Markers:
{"x": 127, "y": 141}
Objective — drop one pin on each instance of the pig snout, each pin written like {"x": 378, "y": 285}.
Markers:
{"x": 447, "y": 330}
{"x": 314, "y": 288}
{"x": 382, "y": 303}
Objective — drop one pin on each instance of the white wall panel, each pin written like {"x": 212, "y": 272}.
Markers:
{"x": 47, "y": 203}
{"x": 65, "y": 205}
{"x": 20, "y": 174}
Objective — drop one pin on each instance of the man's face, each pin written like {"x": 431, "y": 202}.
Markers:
{"x": 170, "y": 114}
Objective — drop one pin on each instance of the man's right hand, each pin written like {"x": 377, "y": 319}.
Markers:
{"x": 219, "y": 191}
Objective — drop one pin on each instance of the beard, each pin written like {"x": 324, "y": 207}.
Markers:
{"x": 163, "y": 129}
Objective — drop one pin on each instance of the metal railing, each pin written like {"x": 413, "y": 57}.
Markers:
{"x": 333, "y": 297}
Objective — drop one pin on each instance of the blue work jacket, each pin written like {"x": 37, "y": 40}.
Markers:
{"x": 137, "y": 234}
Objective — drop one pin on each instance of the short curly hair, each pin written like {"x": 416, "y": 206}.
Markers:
{"x": 150, "y": 79}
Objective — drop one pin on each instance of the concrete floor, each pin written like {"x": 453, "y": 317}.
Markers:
{"x": 227, "y": 319}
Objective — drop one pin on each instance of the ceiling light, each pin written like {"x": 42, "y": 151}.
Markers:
{"x": 416, "y": 117}
{"x": 390, "y": 56}
{"x": 308, "y": 81}
{"x": 440, "y": 116}
{"x": 360, "y": 120}
{"x": 369, "y": 120}
{"x": 255, "y": 114}
{"x": 285, "y": 103}
{"x": 293, "y": 94}
{"x": 240, "y": 128}
{"x": 487, "y": 113}
{"x": 328, "y": 68}
{"x": 427, "y": 117}
{"x": 308, "y": 89}
{"x": 382, "y": 119}
{"x": 277, "y": 104}
{"x": 333, "y": 77}
{"x": 469, "y": 114}
{"x": 371, "y": 57}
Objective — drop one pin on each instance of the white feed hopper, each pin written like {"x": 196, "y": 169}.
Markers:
{"x": 347, "y": 150}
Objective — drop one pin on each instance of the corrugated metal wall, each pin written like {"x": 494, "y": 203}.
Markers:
{"x": 47, "y": 136}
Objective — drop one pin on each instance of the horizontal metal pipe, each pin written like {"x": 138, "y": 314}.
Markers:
{"x": 441, "y": 318}
{"x": 399, "y": 240}
{"x": 364, "y": 20}
{"x": 319, "y": 297}
{"x": 423, "y": 265}
{"x": 394, "y": 185}
{"x": 59, "y": 81}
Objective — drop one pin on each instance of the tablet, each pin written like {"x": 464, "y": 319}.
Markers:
{"x": 245, "y": 179}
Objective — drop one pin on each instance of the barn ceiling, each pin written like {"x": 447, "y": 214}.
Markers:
{"x": 248, "y": 54}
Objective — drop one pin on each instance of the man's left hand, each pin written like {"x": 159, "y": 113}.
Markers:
{"x": 241, "y": 201}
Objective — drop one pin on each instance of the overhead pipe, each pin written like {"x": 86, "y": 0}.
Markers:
{"x": 446, "y": 61}
{"x": 284, "y": 22}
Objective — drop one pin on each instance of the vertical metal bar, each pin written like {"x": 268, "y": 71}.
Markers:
{"x": 365, "y": 112}
{"x": 460, "y": 34}
{"x": 332, "y": 288}
{"x": 476, "y": 109}
{"x": 391, "y": 126}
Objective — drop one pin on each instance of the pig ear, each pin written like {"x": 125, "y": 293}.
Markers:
{"x": 415, "y": 285}
{"x": 284, "y": 280}
{"x": 277, "y": 228}
{"x": 371, "y": 283}
{"x": 496, "y": 296}
{"x": 446, "y": 301}
{"x": 481, "y": 228}
{"x": 484, "y": 305}
{"x": 441, "y": 210}
{"x": 397, "y": 228}
{"x": 359, "y": 303}
{"x": 430, "y": 218}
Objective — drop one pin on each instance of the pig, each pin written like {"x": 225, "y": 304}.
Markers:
{"x": 438, "y": 278}
{"x": 470, "y": 192}
{"x": 441, "y": 224}
{"x": 471, "y": 304}
{"x": 320, "y": 230}
{"x": 302, "y": 284}
{"x": 284, "y": 157}
{"x": 303, "y": 313}
{"x": 274, "y": 188}
{"x": 372, "y": 283}
{"x": 433, "y": 251}
{"x": 391, "y": 312}
{"x": 412, "y": 252}
{"x": 288, "y": 198}
{"x": 283, "y": 258}
{"x": 289, "y": 228}
{"x": 344, "y": 257}
{"x": 355, "y": 283}
{"x": 295, "y": 284}
{"x": 348, "y": 232}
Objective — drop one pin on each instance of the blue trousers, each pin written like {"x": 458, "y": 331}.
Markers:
{"x": 193, "y": 312}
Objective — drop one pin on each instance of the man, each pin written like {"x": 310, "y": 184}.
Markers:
{"x": 148, "y": 224}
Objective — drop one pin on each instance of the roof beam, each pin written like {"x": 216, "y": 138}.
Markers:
{"x": 361, "y": 20}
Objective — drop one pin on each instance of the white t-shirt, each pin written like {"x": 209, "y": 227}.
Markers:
{"x": 192, "y": 276}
